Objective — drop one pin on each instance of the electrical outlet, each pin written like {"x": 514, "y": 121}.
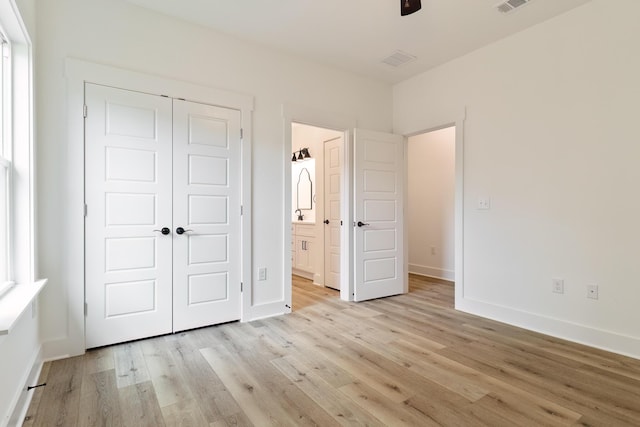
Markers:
{"x": 592, "y": 291}
{"x": 262, "y": 273}
{"x": 558, "y": 285}
{"x": 433, "y": 250}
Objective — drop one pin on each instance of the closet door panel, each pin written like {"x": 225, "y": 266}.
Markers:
{"x": 206, "y": 182}
{"x": 128, "y": 151}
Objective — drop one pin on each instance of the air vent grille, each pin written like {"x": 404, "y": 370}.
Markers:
{"x": 398, "y": 58}
{"x": 510, "y": 5}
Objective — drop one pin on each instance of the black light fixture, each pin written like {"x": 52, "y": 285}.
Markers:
{"x": 407, "y": 7}
{"x": 303, "y": 154}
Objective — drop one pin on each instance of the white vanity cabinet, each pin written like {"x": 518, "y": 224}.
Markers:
{"x": 303, "y": 249}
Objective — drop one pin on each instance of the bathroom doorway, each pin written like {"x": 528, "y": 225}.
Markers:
{"x": 317, "y": 193}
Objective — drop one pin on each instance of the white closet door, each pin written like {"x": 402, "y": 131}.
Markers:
{"x": 128, "y": 196}
{"x": 379, "y": 247}
{"x": 207, "y": 189}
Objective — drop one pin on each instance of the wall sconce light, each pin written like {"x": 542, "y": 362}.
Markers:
{"x": 407, "y": 7}
{"x": 303, "y": 154}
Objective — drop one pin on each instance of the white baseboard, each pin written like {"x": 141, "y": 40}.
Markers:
{"x": 438, "y": 273}
{"x": 318, "y": 280}
{"x": 59, "y": 349}
{"x": 302, "y": 273}
{"x": 581, "y": 334}
{"x": 23, "y": 397}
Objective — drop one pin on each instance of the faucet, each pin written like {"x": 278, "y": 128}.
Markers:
{"x": 300, "y": 216}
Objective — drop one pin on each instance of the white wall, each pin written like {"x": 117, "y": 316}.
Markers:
{"x": 551, "y": 137}
{"x": 19, "y": 354}
{"x": 431, "y": 192}
{"x": 116, "y": 33}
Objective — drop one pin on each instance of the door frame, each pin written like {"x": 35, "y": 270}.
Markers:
{"x": 457, "y": 122}
{"x": 341, "y": 123}
{"x": 77, "y": 73}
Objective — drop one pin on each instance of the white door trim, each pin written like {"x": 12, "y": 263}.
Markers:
{"x": 77, "y": 73}
{"x": 329, "y": 120}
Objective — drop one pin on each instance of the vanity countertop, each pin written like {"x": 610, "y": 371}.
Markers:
{"x": 304, "y": 222}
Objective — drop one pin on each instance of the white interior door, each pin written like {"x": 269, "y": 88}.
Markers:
{"x": 378, "y": 211}
{"x": 128, "y": 196}
{"x": 207, "y": 188}
{"x": 332, "y": 211}
{"x": 162, "y": 231}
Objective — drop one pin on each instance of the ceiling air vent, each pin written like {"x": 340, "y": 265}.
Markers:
{"x": 510, "y": 5}
{"x": 398, "y": 58}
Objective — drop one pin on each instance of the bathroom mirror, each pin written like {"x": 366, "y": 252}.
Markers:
{"x": 305, "y": 190}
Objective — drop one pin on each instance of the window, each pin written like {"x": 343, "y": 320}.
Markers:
{"x": 16, "y": 152}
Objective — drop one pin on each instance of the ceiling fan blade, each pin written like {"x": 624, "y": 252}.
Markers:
{"x": 407, "y": 7}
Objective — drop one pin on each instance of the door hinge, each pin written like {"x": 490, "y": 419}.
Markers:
{"x": 241, "y": 133}
{"x": 85, "y": 210}
{"x": 241, "y": 210}
{"x": 86, "y": 309}
{"x": 84, "y": 111}
{"x": 241, "y": 286}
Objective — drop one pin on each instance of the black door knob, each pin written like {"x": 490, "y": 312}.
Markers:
{"x": 360, "y": 223}
{"x": 326, "y": 221}
{"x": 164, "y": 230}
{"x": 180, "y": 230}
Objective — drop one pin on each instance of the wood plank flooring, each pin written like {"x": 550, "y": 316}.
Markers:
{"x": 409, "y": 360}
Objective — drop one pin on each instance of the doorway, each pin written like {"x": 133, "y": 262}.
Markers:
{"x": 431, "y": 192}
{"x": 372, "y": 237}
{"x": 317, "y": 193}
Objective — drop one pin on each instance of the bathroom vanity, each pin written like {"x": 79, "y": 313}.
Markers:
{"x": 303, "y": 249}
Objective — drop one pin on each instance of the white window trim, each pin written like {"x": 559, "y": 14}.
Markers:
{"x": 5, "y": 181}
{"x": 21, "y": 178}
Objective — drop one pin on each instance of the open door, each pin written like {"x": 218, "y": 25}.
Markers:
{"x": 332, "y": 211}
{"x": 378, "y": 215}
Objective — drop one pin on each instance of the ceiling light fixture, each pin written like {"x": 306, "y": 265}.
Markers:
{"x": 407, "y": 7}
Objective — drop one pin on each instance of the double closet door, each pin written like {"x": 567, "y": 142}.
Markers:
{"x": 162, "y": 226}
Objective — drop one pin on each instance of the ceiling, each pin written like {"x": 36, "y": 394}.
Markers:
{"x": 356, "y": 35}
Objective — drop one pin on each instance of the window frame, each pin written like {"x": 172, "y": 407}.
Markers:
{"x": 16, "y": 150}
{"x": 6, "y": 167}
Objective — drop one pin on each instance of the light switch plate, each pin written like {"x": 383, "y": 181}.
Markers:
{"x": 558, "y": 285}
{"x": 484, "y": 203}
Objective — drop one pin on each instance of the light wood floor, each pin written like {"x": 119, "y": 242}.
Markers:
{"x": 405, "y": 360}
